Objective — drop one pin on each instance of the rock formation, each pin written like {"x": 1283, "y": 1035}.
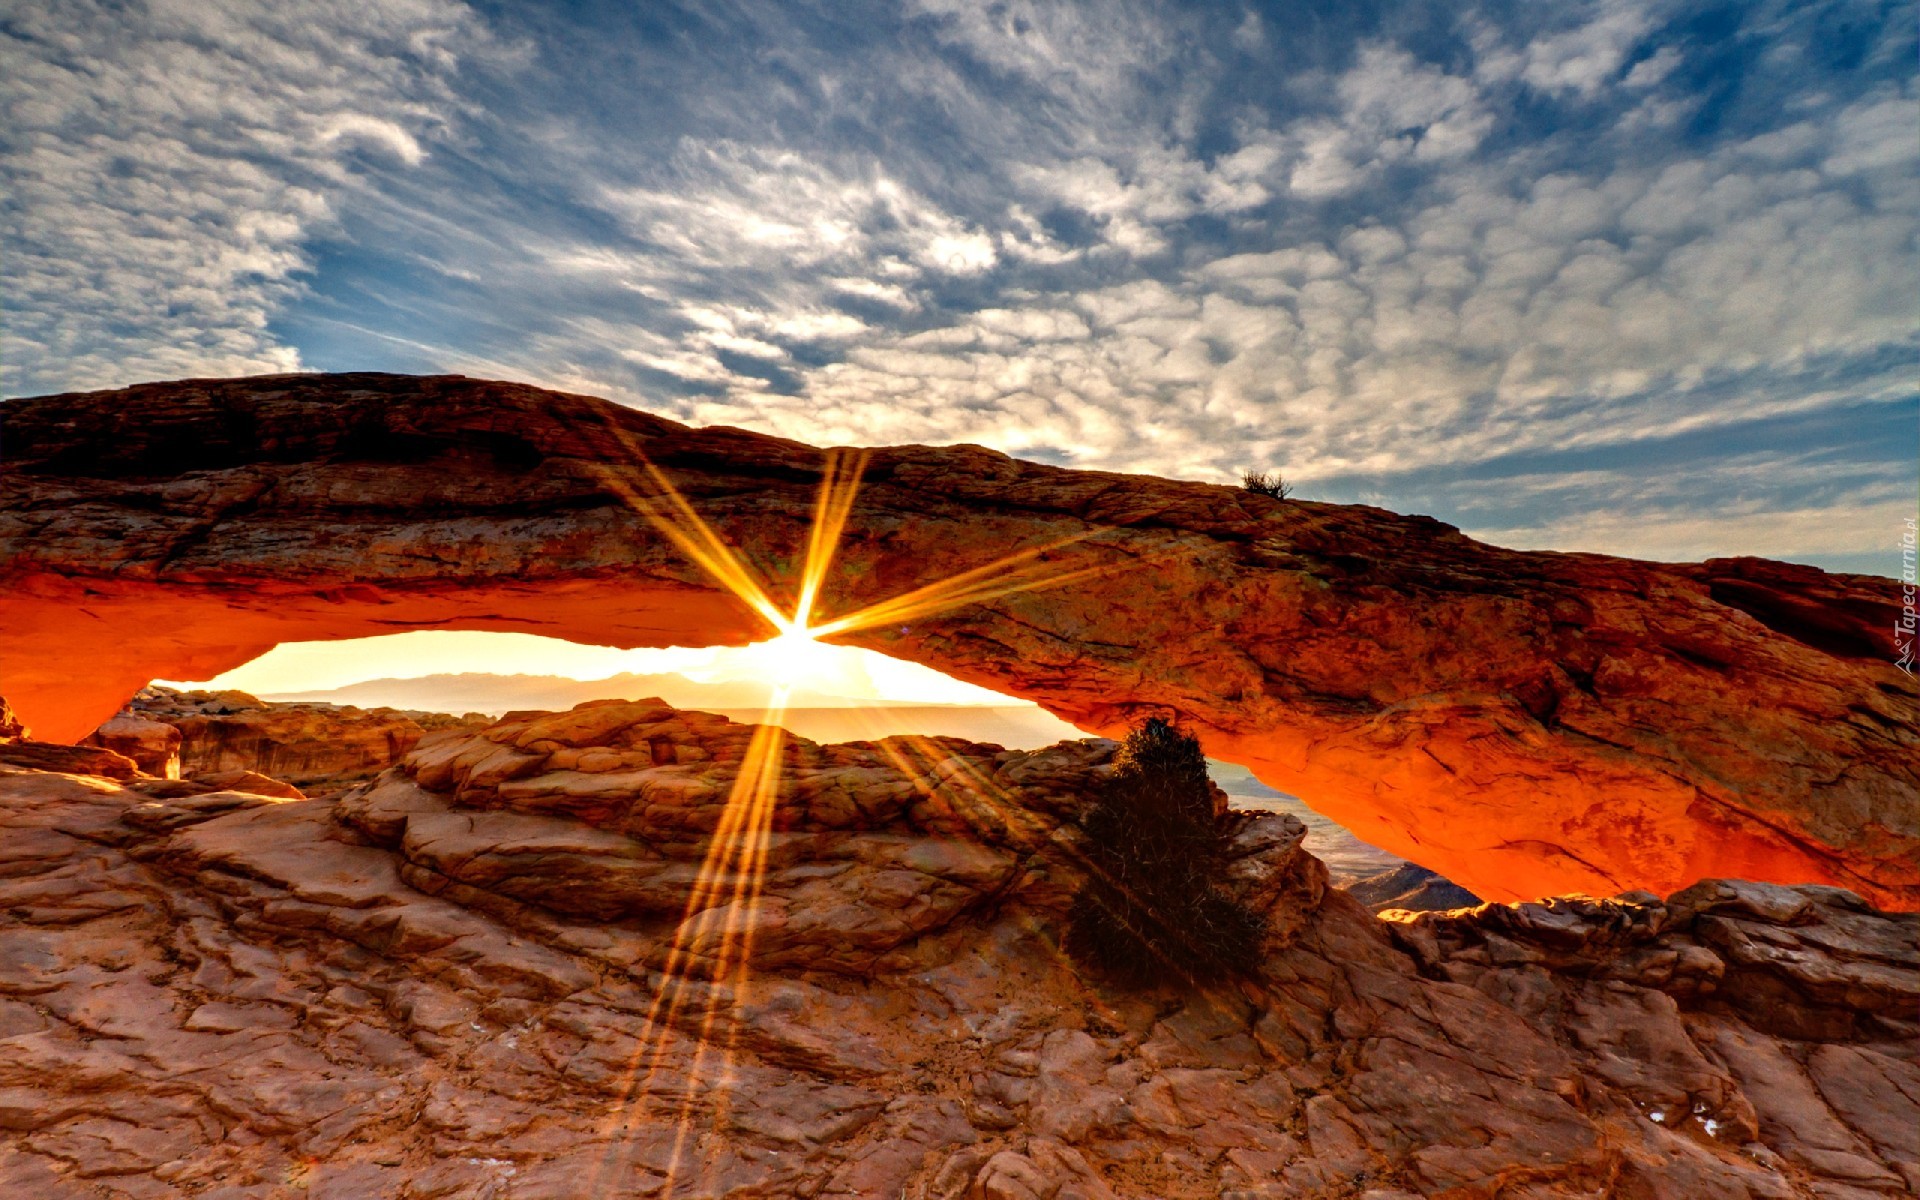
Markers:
{"x": 141, "y": 754}
{"x": 10, "y": 724}
{"x": 79, "y": 760}
{"x": 316, "y": 747}
{"x": 1410, "y": 888}
{"x": 448, "y": 983}
{"x": 154, "y": 746}
{"x": 1524, "y": 723}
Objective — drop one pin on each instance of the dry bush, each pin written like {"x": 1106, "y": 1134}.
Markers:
{"x": 1266, "y": 483}
{"x": 1152, "y": 910}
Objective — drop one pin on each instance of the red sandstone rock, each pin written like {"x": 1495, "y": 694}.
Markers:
{"x": 154, "y": 745}
{"x": 1523, "y": 723}
{"x": 316, "y": 746}
{"x": 414, "y": 991}
{"x": 71, "y": 760}
{"x": 10, "y": 726}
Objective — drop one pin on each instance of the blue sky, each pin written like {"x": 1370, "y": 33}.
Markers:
{"x": 1629, "y": 277}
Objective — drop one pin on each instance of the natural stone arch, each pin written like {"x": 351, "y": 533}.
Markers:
{"x": 1526, "y": 723}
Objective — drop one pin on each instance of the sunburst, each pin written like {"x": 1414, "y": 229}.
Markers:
{"x": 715, "y": 936}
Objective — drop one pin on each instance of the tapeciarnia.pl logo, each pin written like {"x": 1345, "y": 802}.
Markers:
{"x": 1903, "y": 628}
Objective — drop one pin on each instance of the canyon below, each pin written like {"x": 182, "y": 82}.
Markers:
{"x": 624, "y": 948}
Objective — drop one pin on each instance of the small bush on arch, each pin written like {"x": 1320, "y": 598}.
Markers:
{"x": 1266, "y": 483}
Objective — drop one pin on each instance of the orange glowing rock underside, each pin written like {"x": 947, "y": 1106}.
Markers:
{"x": 1525, "y": 723}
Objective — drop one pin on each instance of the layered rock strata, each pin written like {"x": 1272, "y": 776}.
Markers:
{"x": 1524, "y": 723}
{"x": 447, "y": 983}
{"x": 154, "y": 746}
{"x": 317, "y": 747}
{"x": 142, "y": 754}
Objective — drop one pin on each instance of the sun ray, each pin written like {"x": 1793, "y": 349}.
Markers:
{"x": 839, "y": 484}
{"x": 731, "y": 970}
{"x": 732, "y": 871}
{"x": 674, "y": 517}
{"x": 715, "y": 937}
{"x": 1023, "y": 571}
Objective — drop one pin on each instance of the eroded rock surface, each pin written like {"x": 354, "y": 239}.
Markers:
{"x": 1526, "y": 724}
{"x": 317, "y": 747}
{"x": 441, "y": 985}
{"x": 154, "y": 746}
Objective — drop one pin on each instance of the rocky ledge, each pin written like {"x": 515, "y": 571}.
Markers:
{"x": 449, "y": 982}
{"x": 319, "y": 748}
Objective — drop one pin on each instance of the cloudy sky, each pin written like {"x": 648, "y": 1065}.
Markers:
{"x": 1623, "y": 276}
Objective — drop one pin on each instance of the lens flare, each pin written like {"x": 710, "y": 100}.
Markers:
{"x": 706, "y": 969}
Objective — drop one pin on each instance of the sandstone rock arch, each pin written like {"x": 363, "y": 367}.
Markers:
{"x": 1526, "y": 723}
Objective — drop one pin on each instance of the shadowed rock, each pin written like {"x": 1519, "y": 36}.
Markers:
{"x": 1524, "y": 723}
{"x": 1410, "y": 888}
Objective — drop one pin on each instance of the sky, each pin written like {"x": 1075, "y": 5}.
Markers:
{"x": 810, "y": 667}
{"x": 1624, "y": 276}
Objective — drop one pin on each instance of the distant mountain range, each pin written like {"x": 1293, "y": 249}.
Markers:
{"x": 819, "y": 716}
{"x": 495, "y": 694}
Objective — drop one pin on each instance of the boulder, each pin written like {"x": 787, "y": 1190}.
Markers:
{"x": 154, "y": 745}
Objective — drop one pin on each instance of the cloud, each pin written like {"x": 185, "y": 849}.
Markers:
{"x": 1089, "y": 57}
{"x": 1690, "y": 527}
{"x": 1393, "y": 109}
{"x": 1876, "y": 135}
{"x": 1366, "y": 248}
{"x": 1513, "y": 314}
{"x": 1587, "y": 58}
{"x": 376, "y": 133}
{"x": 167, "y": 162}
{"x": 1154, "y": 186}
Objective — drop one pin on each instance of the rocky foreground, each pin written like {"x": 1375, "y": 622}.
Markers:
{"x": 448, "y": 983}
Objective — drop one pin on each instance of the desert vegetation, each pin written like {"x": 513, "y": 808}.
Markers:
{"x": 1266, "y": 483}
{"x": 1153, "y": 907}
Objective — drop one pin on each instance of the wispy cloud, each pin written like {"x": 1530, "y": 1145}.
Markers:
{"x": 167, "y": 163}
{"x": 1359, "y": 246}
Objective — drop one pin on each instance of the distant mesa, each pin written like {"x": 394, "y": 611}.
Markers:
{"x": 1526, "y": 724}
{"x": 821, "y": 716}
{"x": 481, "y": 691}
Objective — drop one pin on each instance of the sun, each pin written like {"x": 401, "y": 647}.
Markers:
{"x": 793, "y": 659}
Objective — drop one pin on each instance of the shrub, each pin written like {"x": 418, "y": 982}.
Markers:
{"x": 1152, "y": 909}
{"x": 1266, "y": 483}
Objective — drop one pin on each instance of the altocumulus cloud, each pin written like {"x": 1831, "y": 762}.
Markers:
{"x": 1618, "y": 276}
{"x": 167, "y": 163}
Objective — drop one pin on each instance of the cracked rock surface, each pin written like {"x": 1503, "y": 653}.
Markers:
{"x": 447, "y": 983}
